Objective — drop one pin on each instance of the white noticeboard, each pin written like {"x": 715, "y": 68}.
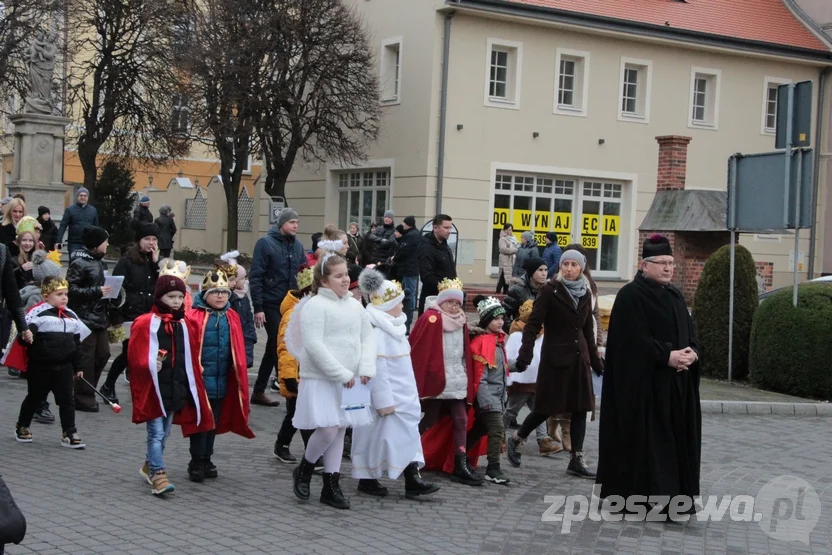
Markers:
{"x": 275, "y": 206}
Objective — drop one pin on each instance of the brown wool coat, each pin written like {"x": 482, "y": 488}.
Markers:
{"x": 564, "y": 382}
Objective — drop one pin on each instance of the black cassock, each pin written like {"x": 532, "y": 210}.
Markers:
{"x": 651, "y": 421}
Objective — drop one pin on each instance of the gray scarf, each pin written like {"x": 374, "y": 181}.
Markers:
{"x": 576, "y": 289}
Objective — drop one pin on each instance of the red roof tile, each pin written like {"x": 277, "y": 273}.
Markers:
{"x": 757, "y": 20}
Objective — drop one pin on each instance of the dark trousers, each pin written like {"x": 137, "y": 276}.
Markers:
{"x": 435, "y": 408}
{"x": 5, "y": 327}
{"x": 165, "y": 253}
{"x": 57, "y": 379}
{"x": 118, "y": 366}
{"x": 502, "y": 284}
{"x": 490, "y": 424}
{"x": 577, "y": 428}
{"x": 95, "y": 352}
{"x": 202, "y": 444}
{"x": 409, "y": 285}
{"x": 270, "y": 356}
{"x": 287, "y": 430}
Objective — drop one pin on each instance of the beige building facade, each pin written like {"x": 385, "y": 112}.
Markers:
{"x": 550, "y": 125}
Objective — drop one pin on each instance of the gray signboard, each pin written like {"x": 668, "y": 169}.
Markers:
{"x": 801, "y": 115}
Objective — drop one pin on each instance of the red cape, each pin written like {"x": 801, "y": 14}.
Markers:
{"x": 235, "y": 406}
{"x": 427, "y": 354}
{"x": 142, "y": 351}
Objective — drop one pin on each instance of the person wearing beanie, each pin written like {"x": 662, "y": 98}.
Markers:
{"x": 222, "y": 352}
{"x": 651, "y": 442}
{"x": 88, "y": 298}
{"x": 49, "y": 231}
{"x": 140, "y": 268}
{"x": 406, "y": 265}
{"x": 399, "y": 232}
{"x": 391, "y": 445}
{"x": 167, "y": 230}
{"x": 142, "y": 215}
{"x": 527, "y": 249}
{"x": 534, "y": 275}
{"x": 165, "y": 378}
{"x": 444, "y": 370}
{"x": 75, "y": 219}
{"x": 383, "y": 241}
{"x": 409, "y": 221}
{"x": 551, "y": 254}
{"x": 563, "y": 308}
{"x": 274, "y": 268}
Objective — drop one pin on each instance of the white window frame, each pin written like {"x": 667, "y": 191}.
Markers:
{"x": 645, "y": 84}
{"x": 767, "y": 83}
{"x": 514, "y": 74}
{"x": 383, "y": 70}
{"x": 713, "y": 77}
{"x": 181, "y": 104}
{"x": 580, "y": 57}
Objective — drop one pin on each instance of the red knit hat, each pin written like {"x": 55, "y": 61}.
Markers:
{"x": 166, "y": 284}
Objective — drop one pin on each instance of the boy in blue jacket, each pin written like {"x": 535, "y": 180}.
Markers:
{"x": 239, "y": 300}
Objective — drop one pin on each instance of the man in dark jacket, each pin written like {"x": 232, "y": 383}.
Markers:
{"x": 382, "y": 240}
{"x": 49, "y": 231}
{"x": 142, "y": 213}
{"x": 274, "y": 268}
{"x": 406, "y": 264}
{"x": 87, "y": 294}
{"x": 167, "y": 230}
{"x": 436, "y": 261}
{"x": 76, "y": 217}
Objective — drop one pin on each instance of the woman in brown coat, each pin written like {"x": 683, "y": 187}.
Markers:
{"x": 564, "y": 384}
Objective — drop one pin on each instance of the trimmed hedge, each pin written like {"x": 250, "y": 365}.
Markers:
{"x": 791, "y": 351}
{"x": 710, "y": 311}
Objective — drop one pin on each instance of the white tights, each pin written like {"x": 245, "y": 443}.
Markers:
{"x": 329, "y": 444}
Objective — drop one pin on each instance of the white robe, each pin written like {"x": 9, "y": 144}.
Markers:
{"x": 391, "y": 442}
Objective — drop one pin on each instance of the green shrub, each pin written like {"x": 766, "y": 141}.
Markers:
{"x": 200, "y": 257}
{"x": 790, "y": 346}
{"x": 710, "y": 311}
{"x": 113, "y": 197}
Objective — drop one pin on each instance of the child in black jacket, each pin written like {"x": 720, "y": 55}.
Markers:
{"x": 54, "y": 360}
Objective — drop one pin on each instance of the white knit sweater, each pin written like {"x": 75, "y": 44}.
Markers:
{"x": 338, "y": 339}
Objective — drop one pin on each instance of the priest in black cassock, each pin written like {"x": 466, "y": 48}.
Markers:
{"x": 651, "y": 422}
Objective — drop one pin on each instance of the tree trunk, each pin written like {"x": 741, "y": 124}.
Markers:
{"x": 87, "y": 156}
{"x": 275, "y": 186}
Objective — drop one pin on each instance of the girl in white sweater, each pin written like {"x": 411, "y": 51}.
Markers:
{"x": 338, "y": 348}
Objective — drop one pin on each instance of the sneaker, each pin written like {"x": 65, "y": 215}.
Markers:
{"x": 23, "y": 434}
{"x": 319, "y": 466}
{"x": 275, "y": 387}
{"x": 44, "y": 415}
{"x": 14, "y": 373}
{"x": 513, "y": 424}
{"x": 196, "y": 470}
{"x": 109, "y": 393}
{"x": 514, "y": 446}
{"x": 159, "y": 483}
{"x": 211, "y": 469}
{"x": 144, "y": 471}
{"x": 283, "y": 455}
{"x": 494, "y": 475}
{"x": 72, "y": 441}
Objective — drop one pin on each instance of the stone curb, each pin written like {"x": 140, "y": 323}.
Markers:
{"x": 757, "y": 408}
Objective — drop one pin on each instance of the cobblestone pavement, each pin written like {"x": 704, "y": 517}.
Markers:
{"x": 93, "y": 501}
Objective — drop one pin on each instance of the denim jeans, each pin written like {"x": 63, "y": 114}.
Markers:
{"x": 409, "y": 285}
{"x": 158, "y": 431}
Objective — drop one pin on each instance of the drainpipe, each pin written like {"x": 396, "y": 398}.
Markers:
{"x": 816, "y": 176}
{"x": 443, "y": 111}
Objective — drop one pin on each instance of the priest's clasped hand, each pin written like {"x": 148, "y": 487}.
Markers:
{"x": 520, "y": 367}
{"x": 682, "y": 359}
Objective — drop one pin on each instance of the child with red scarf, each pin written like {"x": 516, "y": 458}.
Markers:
{"x": 165, "y": 377}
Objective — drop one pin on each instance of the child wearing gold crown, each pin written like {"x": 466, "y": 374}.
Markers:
{"x": 444, "y": 371}
{"x": 222, "y": 350}
{"x": 392, "y": 443}
{"x": 54, "y": 360}
{"x": 239, "y": 300}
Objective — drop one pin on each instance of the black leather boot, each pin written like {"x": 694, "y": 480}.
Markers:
{"x": 414, "y": 485}
{"x": 196, "y": 470}
{"x": 302, "y": 475}
{"x": 371, "y": 486}
{"x": 577, "y": 466}
{"x": 331, "y": 494}
{"x": 462, "y": 472}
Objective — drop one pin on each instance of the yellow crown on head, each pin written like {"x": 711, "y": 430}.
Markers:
{"x": 446, "y": 284}
{"x": 214, "y": 280}
{"x": 525, "y": 310}
{"x": 50, "y": 285}
{"x": 175, "y": 268}
{"x": 387, "y": 293}
{"x": 228, "y": 263}
{"x": 305, "y": 278}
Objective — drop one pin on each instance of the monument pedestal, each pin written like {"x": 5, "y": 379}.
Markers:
{"x": 38, "y": 161}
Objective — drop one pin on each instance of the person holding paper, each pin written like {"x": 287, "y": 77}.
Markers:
{"x": 88, "y": 298}
{"x": 338, "y": 350}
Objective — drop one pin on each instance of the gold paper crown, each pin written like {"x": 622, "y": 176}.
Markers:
{"x": 450, "y": 284}
{"x": 52, "y": 284}
{"x": 176, "y": 268}
{"x": 305, "y": 278}
{"x": 228, "y": 263}
{"x": 386, "y": 294}
{"x": 525, "y": 310}
{"x": 28, "y": 223}
{"x": 226, "y": 268}
{"x": 214, "y": 280}
{"x": 54, "y": 256}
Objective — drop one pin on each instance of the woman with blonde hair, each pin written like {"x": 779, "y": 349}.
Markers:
{"x": 13, "y": 212}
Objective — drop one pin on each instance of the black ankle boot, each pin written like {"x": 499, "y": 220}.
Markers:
{"x": 462, "y": 472}
{"x": 414, "y": 485}
{"x": 371, "y": 486}
{"x": 331, "y": 493}
{"x": 210, "y": 469}
{"x": 302, "y": 475}
{"x": 577, "y": 466}
{"x": 196, "y": 470}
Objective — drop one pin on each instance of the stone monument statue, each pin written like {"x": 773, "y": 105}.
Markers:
{"x": 42, "y": 54}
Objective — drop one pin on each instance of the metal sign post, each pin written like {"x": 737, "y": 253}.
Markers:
{"x": 732, "y": 215}
{"x": 796, "y": 221}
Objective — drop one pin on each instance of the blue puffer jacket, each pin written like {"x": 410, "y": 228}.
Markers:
{"x": 242, "y": 306}
{"x": 274, "y": 269}
{"x": 216, "y": 349}
{"x": 75, "y": 218}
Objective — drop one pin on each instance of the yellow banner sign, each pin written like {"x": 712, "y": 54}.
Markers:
{"x": 524, "y": 220}
{"x": 591, "y": 225}
{"x": 589, "y": 241}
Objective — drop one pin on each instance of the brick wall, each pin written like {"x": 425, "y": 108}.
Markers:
{"x": 766, "y": 271}
{"x": 673, "y": 158}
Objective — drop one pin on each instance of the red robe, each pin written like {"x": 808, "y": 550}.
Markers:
{"x": 427, "y": 354}
{"x": 142, "y": 352}
{"x": 235, "y": 406}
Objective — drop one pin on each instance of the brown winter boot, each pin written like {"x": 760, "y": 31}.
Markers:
{"x": 548, "y": 446}
{"x": 565, "y": 425}
{"x": 552, "y": 429}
